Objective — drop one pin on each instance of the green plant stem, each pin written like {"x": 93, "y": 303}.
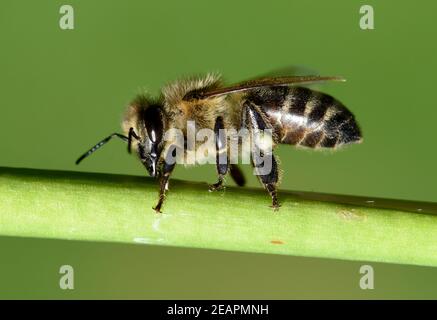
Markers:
{"x": 100, "y": 207}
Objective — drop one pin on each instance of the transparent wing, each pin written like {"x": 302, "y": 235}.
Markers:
{"x": 267, "y": 82}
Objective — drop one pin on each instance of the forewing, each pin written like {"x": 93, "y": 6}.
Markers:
{"x": 268, "y": 82}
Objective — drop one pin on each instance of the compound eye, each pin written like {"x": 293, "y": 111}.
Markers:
{"x": 153, "y": 121}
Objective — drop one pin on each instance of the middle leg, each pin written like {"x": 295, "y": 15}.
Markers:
{"x": 221, "y": 159}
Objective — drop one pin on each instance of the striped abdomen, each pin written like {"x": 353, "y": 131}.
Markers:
{"x": 304, "y": 117}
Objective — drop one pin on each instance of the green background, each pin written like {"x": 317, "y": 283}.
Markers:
{"x": 63, "y": 90}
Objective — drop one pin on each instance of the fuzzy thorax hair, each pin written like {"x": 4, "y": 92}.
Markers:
{"x": 174, "y": 92}
{"x": 176, "y": 110}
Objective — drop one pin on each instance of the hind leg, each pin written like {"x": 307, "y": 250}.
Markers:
{"x": 263, "y": 160}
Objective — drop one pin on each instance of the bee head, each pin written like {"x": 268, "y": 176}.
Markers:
{"x": 144, "y": 124}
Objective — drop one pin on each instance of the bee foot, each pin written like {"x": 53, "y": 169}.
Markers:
{"x": 216, "y": 187}
{"x": 157, "y": 208}
{"x": 275, "y": 207}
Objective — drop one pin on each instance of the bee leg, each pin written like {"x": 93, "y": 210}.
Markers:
{"x": 163, "y": 187}
{"x": 222, "y": 160}
{"x": 263, "y": 161}
{"x": 167, "y": 169}
{"x": 218, "y": 185}
{"x": 237, "y": 175}
{"x": 270, "y": 179}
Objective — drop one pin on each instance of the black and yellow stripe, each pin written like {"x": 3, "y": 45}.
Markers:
{"x": 306, "y": 117}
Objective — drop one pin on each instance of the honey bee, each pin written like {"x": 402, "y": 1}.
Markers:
{"x": 296, "y": 115}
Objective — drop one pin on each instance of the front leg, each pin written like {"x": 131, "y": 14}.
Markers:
{"x": 253, "y": 120}
{"x": 222, "y": 160}
{"x": 166, "y": 171}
